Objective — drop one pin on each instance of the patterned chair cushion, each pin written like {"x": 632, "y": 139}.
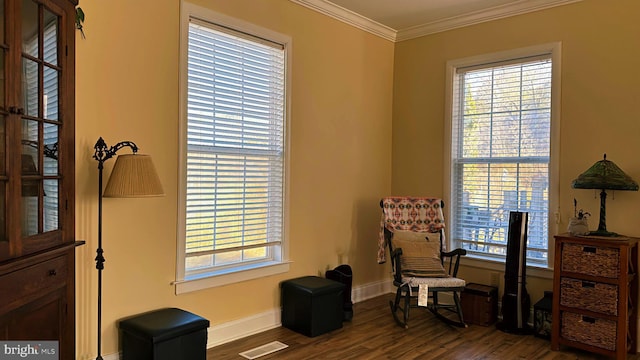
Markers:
{"x": 420, "y": 253}
{"x": 446, "y": 282}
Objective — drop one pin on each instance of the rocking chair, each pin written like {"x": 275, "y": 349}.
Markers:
{"x": 413, "y": 230}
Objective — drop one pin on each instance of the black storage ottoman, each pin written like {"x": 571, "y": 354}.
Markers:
{"x": 165, "y": 334}
{"x": 312, "y": 305}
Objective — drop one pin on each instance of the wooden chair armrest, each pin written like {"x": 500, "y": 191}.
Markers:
{"x": 459, "y": 252}
{"x": 453, "y": 261}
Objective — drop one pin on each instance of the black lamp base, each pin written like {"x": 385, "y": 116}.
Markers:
{"x": 603, "y": 233}
{"x": 602, "y": 225}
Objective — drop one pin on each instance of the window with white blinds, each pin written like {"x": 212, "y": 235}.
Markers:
{"x": 501, "y": 153}
{"x": 235, "y": 144}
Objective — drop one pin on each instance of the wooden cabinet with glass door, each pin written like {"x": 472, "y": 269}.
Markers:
{"x": 37, "y": 164}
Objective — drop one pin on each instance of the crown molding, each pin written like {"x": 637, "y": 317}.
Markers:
{"x": 349, "y": 17}
{"x": 498, "y": 12}
{"x": 477, "y": 17}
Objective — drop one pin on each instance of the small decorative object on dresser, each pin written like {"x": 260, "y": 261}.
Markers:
{"x": 595, "y": 294}
{"x": 578, "y": 224}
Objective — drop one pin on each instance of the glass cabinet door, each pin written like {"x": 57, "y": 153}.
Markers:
{"x": 37, "y": 62}
{"x": 40, "y": 119}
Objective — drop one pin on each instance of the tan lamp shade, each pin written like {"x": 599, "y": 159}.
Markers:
{"x": 133, "y": 175}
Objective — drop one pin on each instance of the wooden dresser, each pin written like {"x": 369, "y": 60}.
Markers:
{"x": 595, "y": 287}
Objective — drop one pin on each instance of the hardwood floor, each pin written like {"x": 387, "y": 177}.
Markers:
{"x": 373, "y": 334}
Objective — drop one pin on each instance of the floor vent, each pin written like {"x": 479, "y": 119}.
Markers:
{"x": 263, "y": 350}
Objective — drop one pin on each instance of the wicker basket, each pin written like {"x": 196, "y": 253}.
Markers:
{"x": 587, "y": 330}
{"x": 591, "y": 260}
{"x": 587, "y": 295}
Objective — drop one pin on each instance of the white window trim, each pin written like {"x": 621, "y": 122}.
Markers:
{"x": 182, "y": 283}
{"x": 554, "y": 167}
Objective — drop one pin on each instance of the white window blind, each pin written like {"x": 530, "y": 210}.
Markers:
{"x": 31, "y": 128}
{"x": 235, "y": 149}
{"x": 501, "y": 154}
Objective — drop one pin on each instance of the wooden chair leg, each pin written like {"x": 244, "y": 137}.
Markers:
{"x": 434, "y": 296}
{"x": 395, "y": 305}
{"x": 407, "y": 306}
{"x": 458, "y": 310}
{"x": 456, "y": 299}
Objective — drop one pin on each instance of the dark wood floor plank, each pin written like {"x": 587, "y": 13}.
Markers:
{"x": 373, "y": 334}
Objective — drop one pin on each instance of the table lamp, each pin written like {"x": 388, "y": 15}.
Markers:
{"x": 604, "y": 175}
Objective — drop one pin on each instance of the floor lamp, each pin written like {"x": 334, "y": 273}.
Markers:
{"x": 133, "y": 175}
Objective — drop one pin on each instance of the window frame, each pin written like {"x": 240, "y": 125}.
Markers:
{"x": 554, "y": 50}
{"x": 192, "y": 282}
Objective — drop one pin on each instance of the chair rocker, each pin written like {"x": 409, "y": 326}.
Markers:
{"x": 410, "y": 224}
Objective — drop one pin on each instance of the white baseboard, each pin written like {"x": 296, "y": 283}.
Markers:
{"x": 371, "y": 290}
{"x": 229, "y": 331}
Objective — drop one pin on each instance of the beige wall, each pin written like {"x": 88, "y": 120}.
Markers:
{"x": 599, "y": 104}
{"x": 127, "y": 89}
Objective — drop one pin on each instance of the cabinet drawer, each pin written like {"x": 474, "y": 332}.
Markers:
{"x": 33, "y": 279}
{"x": 588, "y": 330}
{"x": 588, "y": 295}
{"x": 591, "y": 260}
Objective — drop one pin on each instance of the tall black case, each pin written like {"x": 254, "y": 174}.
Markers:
{"x": 516, "y": 301}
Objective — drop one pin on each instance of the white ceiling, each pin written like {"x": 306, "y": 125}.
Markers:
{"x": 398, "y": 20}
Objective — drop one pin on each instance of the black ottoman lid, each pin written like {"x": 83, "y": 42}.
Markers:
{"x": 164, "y": 324}
{"x": 314, "y": 285}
